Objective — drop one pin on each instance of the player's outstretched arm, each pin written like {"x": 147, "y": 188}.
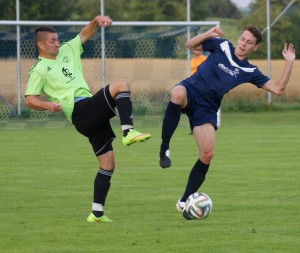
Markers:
{"x": 91, "y": 28}
{"x": 278, "y": 87}
{"x": 195, "y": 43}
{"x": 35, "y": 103}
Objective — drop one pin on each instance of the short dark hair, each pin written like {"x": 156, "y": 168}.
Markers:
{"x": 39, "y": 35}
{"x": 255, "y": 32}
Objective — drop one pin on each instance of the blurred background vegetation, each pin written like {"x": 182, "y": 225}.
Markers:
{"x": 232, "y": 19}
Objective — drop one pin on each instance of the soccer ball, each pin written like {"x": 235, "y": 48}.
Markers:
{"x": 197, "y": 207}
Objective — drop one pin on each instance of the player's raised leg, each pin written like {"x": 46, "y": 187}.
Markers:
{"x": 170, "y": 123}
{"x": 120, "y": 91}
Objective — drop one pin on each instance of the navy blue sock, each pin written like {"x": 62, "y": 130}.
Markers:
{"x": 101, "y": 188}
{"x": 170, "y": 123}
{"x": 196, "y": 178}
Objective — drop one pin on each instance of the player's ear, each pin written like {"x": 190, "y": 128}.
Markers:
{"x": 40, "y": 44}
{"x": 256, "y": 47}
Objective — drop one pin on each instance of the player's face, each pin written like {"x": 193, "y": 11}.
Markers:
{"x": 49, "y": 47}
{"x": 245, "y": 45}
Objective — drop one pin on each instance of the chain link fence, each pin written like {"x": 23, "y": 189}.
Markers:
{"x": 152, "y": 58}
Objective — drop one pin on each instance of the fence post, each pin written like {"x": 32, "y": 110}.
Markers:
{"x": 18, "y": 57}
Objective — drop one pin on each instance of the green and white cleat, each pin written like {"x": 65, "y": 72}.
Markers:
{"x": 134, "y": 136}
{"x": 93, "y": 218}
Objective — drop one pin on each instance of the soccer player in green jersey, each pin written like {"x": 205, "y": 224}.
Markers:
{"x": 58, "y": 74}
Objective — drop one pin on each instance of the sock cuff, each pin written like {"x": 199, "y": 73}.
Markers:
{"x": 200, "y": 162}
{"x": 173, "y": 105}
{"x": 201, "y": 166}
{"x": 125, "y": 94}
{"x": 97, "y": 207}
{"x": 105, "y": 172}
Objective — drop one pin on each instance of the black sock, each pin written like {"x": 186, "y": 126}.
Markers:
{"x": 170, "y": 123}
{"x": 124, "y": 106}
{"x": 196, "y": 178}
{"x": 101, "y": 188}
{"x": 125, "y": 132}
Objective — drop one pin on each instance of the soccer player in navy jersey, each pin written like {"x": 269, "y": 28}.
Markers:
{"x": 200, "y": 95}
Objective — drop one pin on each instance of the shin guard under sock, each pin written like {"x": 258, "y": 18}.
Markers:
{"x": 101, "y": 188}
{"x": 124, "y": 106}
{"x": 170, "y": 123}
{"x": 195, "y": 180}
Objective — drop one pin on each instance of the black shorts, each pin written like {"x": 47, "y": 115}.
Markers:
{"x": 91, "y": 118}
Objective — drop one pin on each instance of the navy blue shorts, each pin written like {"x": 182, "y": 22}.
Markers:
{"x": 91, "y": 118}
{"x": 198, "y": 110}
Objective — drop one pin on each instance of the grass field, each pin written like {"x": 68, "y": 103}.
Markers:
{"x": 47, "y": 178}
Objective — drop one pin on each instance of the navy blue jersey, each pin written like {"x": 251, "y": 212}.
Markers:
{"x": 221, "y": 72}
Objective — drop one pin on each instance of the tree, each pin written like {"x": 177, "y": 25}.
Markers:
{"x": 143, "y": 10}
{"x": 45, "y": 10}
{"x": 214, "y": 8}
{"x": 7, "y": 10}
{"x": 121, "y": 10}
{"x": 283, "y": 31}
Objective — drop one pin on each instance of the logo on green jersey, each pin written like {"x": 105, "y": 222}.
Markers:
{"x": 66, "y": 59}
{"x": 66, "y": 73}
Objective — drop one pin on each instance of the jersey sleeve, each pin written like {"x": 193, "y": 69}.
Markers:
{"x": 259, "y": 79}
{"x": 211, "y": 44}
{"x": 76, "y": 45}
{"x": 35, "y": 84}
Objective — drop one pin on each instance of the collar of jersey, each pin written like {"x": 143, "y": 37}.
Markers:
{"x": 47, "y": 59}
{"x": 225, "y": 48}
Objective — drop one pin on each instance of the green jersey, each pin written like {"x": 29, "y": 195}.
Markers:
{"x": 61, "y": 80}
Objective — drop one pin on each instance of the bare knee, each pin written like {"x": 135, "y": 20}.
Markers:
{"x": 123, "y": 85}
{"x": 119, "y": 86}
{"x": 107, "y": 161}
{"x": 179, "y": 95}
{"x": 206, "y": 156}
{"x": 107, "y": 165}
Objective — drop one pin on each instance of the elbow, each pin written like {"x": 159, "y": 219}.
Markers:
{"x": 190, "y": 45}
{"x": 28, "y": 102}
{"x": 279, "y": 92}
{"x": 275, "y": 87}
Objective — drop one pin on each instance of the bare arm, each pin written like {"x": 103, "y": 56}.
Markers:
{"x": 195, "y": 43}
{"x": 91, "y": 28}
{"x": 34, "y": 102}
{"x": 278, "y": 87}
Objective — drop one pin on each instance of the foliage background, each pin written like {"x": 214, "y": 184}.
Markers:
{"x": 283, "y": 31}
{"x": 232, "y": 20}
